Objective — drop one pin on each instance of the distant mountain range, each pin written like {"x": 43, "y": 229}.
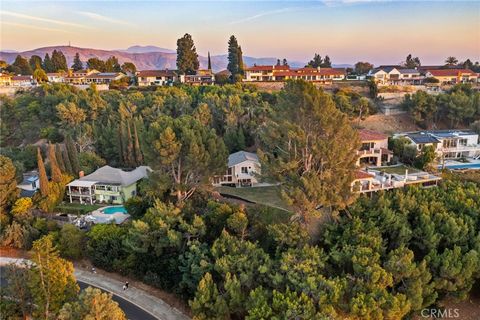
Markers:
{"x": 144, "y": 57}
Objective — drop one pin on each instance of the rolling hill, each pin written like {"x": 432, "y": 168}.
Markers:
{"x": 141, "y": 56}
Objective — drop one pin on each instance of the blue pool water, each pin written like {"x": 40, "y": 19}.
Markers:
{"x": 112, "y": 210}
{"x": 463, "y": 166}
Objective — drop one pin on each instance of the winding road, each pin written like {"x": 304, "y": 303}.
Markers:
{"x": 132, "y": 311}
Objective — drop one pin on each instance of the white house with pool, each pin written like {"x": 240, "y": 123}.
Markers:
{"x": 106, "y": 185}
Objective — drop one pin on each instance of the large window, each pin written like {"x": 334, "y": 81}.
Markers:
{"x": 244, "y": 170}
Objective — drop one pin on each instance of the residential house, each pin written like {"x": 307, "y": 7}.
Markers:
{"x": 201, "y": 77}
{"x": 243, "y": 170}
{"x": 284, "y": 72}
{"x": 56, "y": 77}
{"x": 103, "y": 77}
{"x": 22, "y": 81}
{"x": 30, "y": 184}
{"x": 396, "y": 75}
{"x": 156, "y": 77}
{"x": 448, "y": 144}
{"x": 79, "y": 77}
{"x": 106, "y": 185}
{"x": 374, "y": 150}
{"x": 5, "y": 80}
{"x": 452, "y": 76}
{"x": 384, "y": 178}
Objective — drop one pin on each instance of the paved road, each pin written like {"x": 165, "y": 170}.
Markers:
{"x": 131, "y": 311}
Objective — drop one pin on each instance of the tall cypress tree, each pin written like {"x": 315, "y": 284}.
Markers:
{"x": 66, "y": 161}
{"x": 138, "y": 150}
{"x": 121, "y": 146}
{"x": 209, "y": 62}
{"x": 77, "y": 63}
{"x": 235, "y": 59}
{"x": 44, "y": 188}
{"x": 54, "y": 168}
{"x": 72, "y": 155}
{"x": 130, "y": 155}
{"x": 59, "y": 157}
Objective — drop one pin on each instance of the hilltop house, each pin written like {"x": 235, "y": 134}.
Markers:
{"x": 156, "y": 77}
{"x": 243, "y": 169}
{"x": 448, "y": 144}
{"x": 103, "y": 77}
{"x": 56, "y": 77}
{"x": 201, "y": 77}
{"x": 396, "y": 75}
{"x": 284, "y": 72}
{"x": 452, "y": 76}
{"x": 374, "y": 150}
{"x": 106, "y": 185}
{"x": 22, "y": 81}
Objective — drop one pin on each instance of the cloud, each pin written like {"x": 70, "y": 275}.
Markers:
{"x": 21, "y": 25}
{"x": 263, "y": 14}
{"x": 28, "y": 17}
{"x": 337, "y": 3}
{"x": 99, "y": 17}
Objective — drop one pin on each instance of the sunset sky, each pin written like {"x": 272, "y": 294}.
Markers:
{"x": 348, "y": 31}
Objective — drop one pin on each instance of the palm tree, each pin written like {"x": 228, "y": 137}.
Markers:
{"x": 451, "y": 61}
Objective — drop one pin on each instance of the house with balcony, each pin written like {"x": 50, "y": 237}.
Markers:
{"x": 448, "y": 144}
{"x": 243, "y": 170}
{"x": 156, "y": 77}
{"x": 374, "y": 150}
{"x": 56, "y": 77}
{"x": 106, "y": 185}
{"x": 284, "y": 72}
{"x": 391, "y": 177}
{"x": 23, "y": 81}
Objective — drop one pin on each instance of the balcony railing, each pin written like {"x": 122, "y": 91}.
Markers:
{"x": 369, "y": 152}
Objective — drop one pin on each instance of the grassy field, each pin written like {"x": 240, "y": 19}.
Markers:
{"x": 76, "y": 208}
{"x": 269, "y": 196}
{"x": 397, "y": 169}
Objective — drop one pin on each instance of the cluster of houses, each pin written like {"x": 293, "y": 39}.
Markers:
{"x": 431, "y": 75}
{"x": 169, "y": 77}
{"x": 79, "y": 77}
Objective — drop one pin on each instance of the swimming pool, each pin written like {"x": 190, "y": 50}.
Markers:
{"x": 463, "y": 166}
{"x": 116, "y": 209}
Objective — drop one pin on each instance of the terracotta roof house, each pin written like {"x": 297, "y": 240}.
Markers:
{"x": 452, "y": 76}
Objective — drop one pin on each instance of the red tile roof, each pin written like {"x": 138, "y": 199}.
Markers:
{"x": 331, "y": 71}
{"x": 369, "y": 135}
{"x": 363, "y": 175}
{"x": 449, "y": 72}
{"x": 260, "y": 68}
{"x": 21, "y": 78}
{"x": 156, "y": 73}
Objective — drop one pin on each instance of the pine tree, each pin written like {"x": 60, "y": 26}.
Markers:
{"x": 44, "y": 188}
{"x": 187, "y": 57}
{"x": 54, "y": 168}
{"x": 35, "y": 62}
{"x": 59, "y": 62}
{"x": 66, "y": 161}
{"x": 138, "y": 150}
{"x": 209, "y": 62}
{"x": 72, "y": 155}
{"x": 208, "y": 302}
{"x": 130, "y": 152}
{"x": 77, "y": 63}
{"x": 8, "y": 183}
{"x": 122, "y": 143}
{"x": 47, "y": 64}
{"x": 22, "y": 66}
{"x": 233, "y": 57}
{"x": 59, "y": 157}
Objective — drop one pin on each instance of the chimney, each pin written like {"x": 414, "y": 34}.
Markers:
{"x": 81, "y": 174}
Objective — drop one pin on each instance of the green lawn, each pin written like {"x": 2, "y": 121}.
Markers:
{"x": 269, "y": 196}
{"x": 76, "y": 208}
{"x": 397, "y": 169}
